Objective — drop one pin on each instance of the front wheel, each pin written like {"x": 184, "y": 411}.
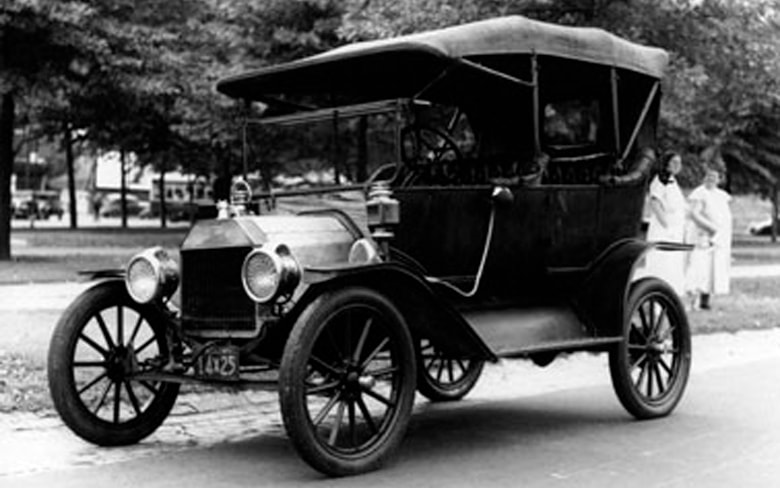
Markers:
{"x": 650, "y": 365}
{"x": 101, "y": 341}
{"x": 347, "y": 381}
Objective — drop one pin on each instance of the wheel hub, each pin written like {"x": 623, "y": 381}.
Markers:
{"x": 121, "y": 362}
{"x": 366, "y": 381}
{"x": 657, "y": 347}
{"x": 354, "y": 380}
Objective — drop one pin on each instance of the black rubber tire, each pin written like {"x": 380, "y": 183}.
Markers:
{"x": 650, "y": 366}
{"x": 445, "y": 379}
{"x": 79, "y": 337}
{"x": 325, "y": 334}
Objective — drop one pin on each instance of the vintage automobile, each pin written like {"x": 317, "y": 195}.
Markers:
{"x": 37, "y": 204}
{"x": 111, "y": 205}
{"x": 505, "y": 224}
{"x": 761, "y": 227}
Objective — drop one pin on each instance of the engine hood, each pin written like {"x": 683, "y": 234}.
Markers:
{"x": 314, "y": 240}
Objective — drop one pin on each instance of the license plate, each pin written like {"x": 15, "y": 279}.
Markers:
{"x": 218, "y": 363}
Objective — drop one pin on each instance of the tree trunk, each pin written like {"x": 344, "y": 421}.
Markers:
{"x": 774, "y": 213}
{"x": 163, "y": 214}
{"x": 123, "y": 188}
{"x": 7, "y": 112}
{"x": 69, "y": 159}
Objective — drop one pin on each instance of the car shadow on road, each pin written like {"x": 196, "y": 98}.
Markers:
{"x": 462, "y": 432}
{"x": 442, "y": 430}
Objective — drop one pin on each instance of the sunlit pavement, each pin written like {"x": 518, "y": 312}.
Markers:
{"x": 755, "y": 271}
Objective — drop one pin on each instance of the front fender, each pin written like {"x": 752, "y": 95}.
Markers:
{"x": 102, "y": 274}
{"x": 427, "y": 313}
{"x": 116, "y": 284}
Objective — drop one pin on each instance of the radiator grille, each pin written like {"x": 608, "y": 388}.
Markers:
{"x": 213, "y": 298}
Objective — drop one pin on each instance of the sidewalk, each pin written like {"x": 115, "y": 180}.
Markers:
{"x": 755, "y": 271}
{"x": 58, "y": 295}
{"x": 22, "y": 305}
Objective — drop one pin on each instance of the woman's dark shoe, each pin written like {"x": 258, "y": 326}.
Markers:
{"x": 704, "y": 301}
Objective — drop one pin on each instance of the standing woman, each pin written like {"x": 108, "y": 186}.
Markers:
{"x": 709, "y": 270}
{"x": 667, "y": 223}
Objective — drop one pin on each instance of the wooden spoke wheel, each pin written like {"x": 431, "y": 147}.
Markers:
{"x": 102, "y": 340}
{"x": 443, "y": 378}
{"x": 347, "y": 381}
{"x": 650, "y": 366}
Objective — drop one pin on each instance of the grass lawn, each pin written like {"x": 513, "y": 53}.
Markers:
{"x": 47, "y": 254}
{"x": 57, "y": 254}
{"x": 51, "y": 255}
{"x": 752, "y": 304}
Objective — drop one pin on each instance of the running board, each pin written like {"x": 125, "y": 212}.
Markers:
{"x": 521, "y": 332}
{"x": 243, "y": 383}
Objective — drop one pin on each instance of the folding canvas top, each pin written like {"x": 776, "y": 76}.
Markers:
{"x": 397, "y": 65}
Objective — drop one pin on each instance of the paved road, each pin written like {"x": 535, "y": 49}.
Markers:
{"x": 522, "y": 426}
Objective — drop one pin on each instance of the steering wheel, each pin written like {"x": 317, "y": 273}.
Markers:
{"x": 428, "y": 146}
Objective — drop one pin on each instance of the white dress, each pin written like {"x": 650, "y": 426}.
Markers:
{"x": 667, "y": 265}
{"x": 709, "y": 267}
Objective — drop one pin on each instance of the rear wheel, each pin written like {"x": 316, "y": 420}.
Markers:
{"x": 650, "y": 366}
{"x": 442, "y": 378}
{"x": 347, "y": 381}
{"x": 102, "y": 340}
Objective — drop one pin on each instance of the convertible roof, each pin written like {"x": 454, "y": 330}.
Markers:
{"x": 398, "y": 66}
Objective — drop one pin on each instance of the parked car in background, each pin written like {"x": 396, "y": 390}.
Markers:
{"x": 761, "y": 227}
{"x": 40, "y": 204}
{"x": 111, "y": 205}
{"x": 49, "y": 203}
{"x": 175, "y": 211}
{"x": 22, "y": 204}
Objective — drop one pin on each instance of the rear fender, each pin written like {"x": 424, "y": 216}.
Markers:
{"x": 602, "y": 298}
{"x": 426, "y": 313}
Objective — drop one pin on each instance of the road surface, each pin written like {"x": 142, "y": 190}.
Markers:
{"x": 522, "y": 426}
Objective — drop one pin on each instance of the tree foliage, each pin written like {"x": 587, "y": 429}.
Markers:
{"x": 138, "y": 75}
{"x": 723, "y": 80}
{"x": 721, "y": 91}
{"x": 45, "y": 47}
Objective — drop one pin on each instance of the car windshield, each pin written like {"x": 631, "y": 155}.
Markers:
{"x": 479, "y": 104}
{"x": 351, "y": 145}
